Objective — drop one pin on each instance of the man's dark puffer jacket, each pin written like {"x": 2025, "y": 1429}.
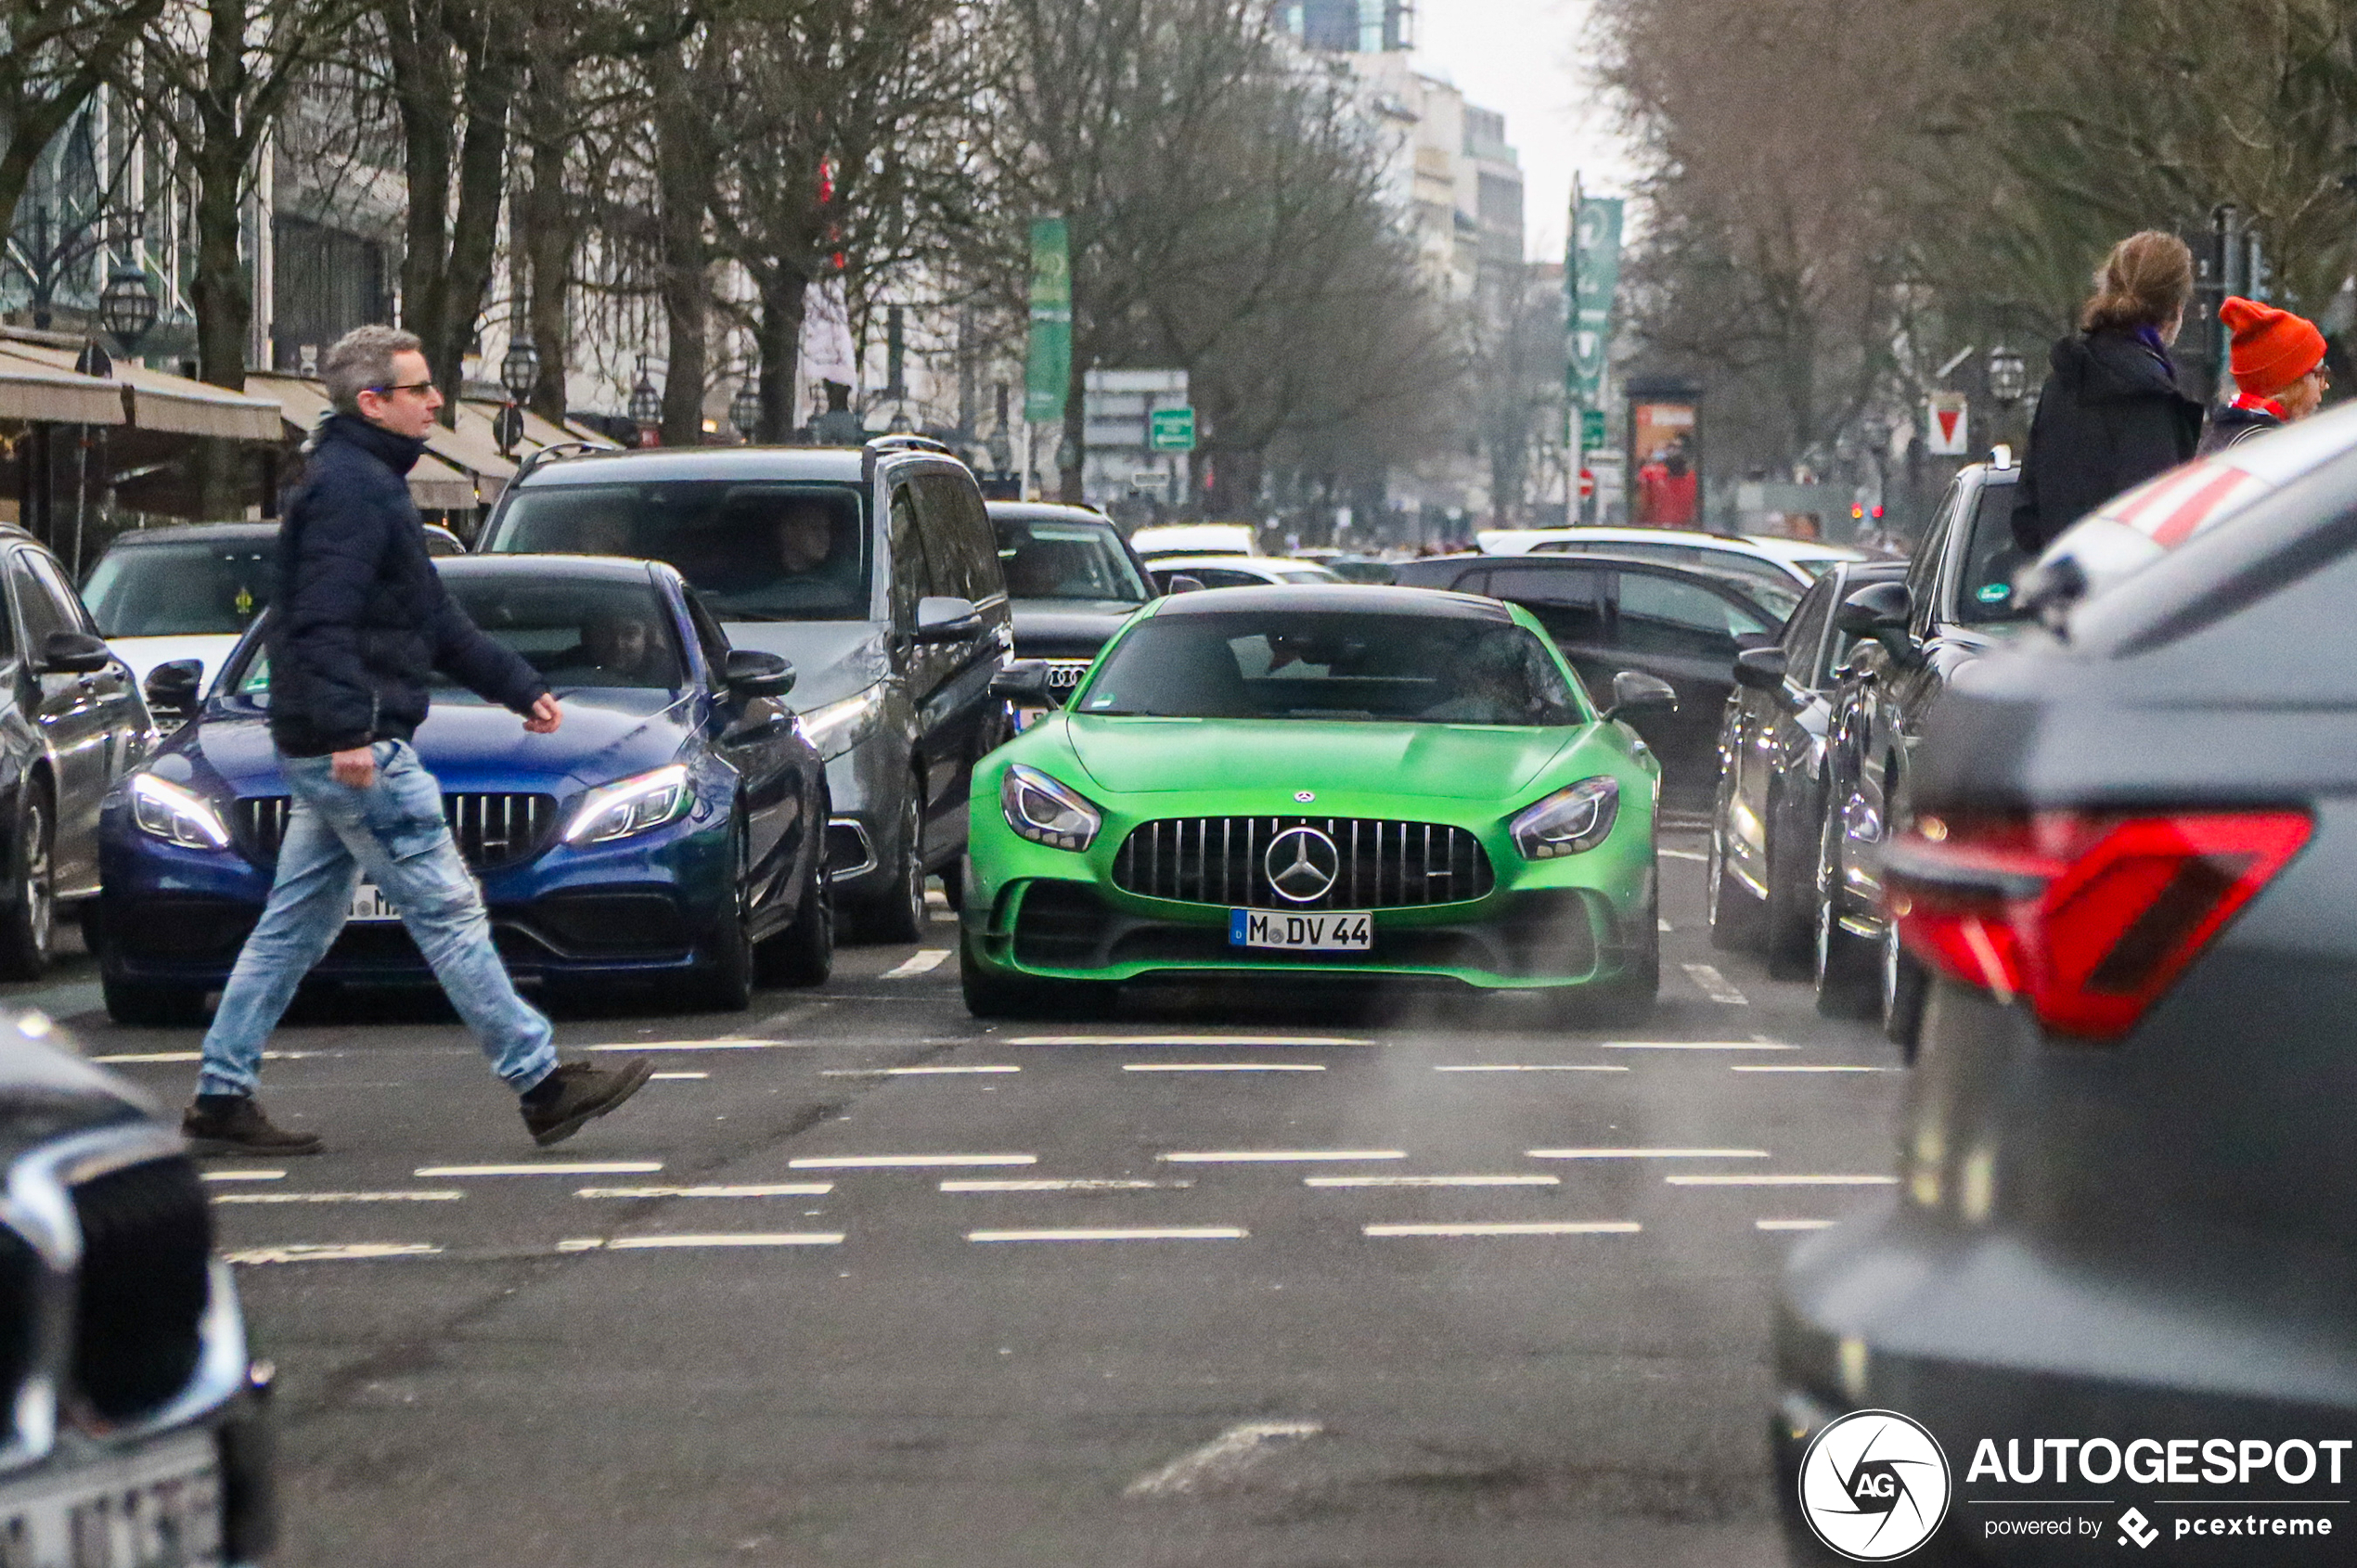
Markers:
{"x": 360, "y": 621}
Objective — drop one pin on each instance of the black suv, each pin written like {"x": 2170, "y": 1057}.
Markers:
{"x": 874, "y": 570}
{"x": 1072, "y": 580}
{"x": 1956, "y": 604}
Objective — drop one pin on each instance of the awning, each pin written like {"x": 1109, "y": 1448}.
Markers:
{"x": 476, "y": 416}
{"x": 471, "y": 450}
{"x": 434, "y": 485}
{"x": 34, "y": 388}
{"x": 172, "y": 404}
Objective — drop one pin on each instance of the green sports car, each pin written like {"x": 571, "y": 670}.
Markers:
{"x": 1316, "y": 782}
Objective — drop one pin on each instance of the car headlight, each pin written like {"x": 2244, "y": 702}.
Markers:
{"x": 1040, "y": 809}
{"x": 176, "y": 814}
{"x": 1569, "y": 820}
{"x": 631, "y": 805}
{"x": 834, "y": 727}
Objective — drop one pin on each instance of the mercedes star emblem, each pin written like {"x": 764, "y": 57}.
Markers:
{"x": 1305, "y": 796}
{"x": 1302, "y": 864}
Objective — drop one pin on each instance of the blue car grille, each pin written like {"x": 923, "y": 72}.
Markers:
{"x": 492, "y": 830}
{"x": 1376, "y": 864}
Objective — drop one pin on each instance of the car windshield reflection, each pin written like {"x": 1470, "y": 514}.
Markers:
{"x": 190, "y": 589}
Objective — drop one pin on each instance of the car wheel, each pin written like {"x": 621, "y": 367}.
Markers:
{"x": 991, "y": 995}
{"x": 1735, "y": 915}
{"x": 1844, "y": 961}
{"x": 1905, "y": 984}
{"x": 28, "y": 929}
{"x": 898, "y": 914}
{"x": 723, "y": 981}
{"x": 1788, "y": 930}
{"x": 803, "y": 953}
{"x": 144, "y": 1005}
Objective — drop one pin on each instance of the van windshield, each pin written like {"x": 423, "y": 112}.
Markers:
{"x": 756, "y": 551}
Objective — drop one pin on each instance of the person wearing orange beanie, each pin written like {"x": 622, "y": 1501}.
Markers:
{"x": 2278, "y": 364}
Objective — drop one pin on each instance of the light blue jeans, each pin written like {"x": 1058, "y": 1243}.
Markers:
{"x": 394, "y": 833}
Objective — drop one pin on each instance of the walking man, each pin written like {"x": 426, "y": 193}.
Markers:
{"x": 358, "y": 625}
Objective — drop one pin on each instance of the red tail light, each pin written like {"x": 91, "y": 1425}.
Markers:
{"x": 2089, "y": 919}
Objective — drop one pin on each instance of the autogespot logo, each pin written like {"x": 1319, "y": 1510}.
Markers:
{"x": 1874, "y": 1485}
{"x": 1302, "y": 864}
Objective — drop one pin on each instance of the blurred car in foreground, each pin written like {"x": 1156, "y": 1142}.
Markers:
{"x": 1071, "y": 583}
{"x": 1286, "y": 785}
{"x": 2122, "y": 1248}
{"x": 1774, "y": 770}
{"x": 1160, "y": 539}
{"x": 671, "y": 831}
{"x": 136, "y": 1427}
{"x": 1236, "y": 571}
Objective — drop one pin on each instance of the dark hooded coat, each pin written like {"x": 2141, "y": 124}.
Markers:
{"x": 2110, "y": 418}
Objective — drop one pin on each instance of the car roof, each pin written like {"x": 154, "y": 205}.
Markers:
{"x": 194, "y": 532}
{"x": 1586, "y": 561}
{"x": 1231, "y": 563}
{"x": 592, "y": 569}
{"x": 839, "y": 464}
{"x": 1367, "y": 597}
{"x": 1044, "y": 511}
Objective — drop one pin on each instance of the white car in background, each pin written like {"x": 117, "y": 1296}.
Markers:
{"x": 1195, "y": 539}
{"x": 1237, "y": 572}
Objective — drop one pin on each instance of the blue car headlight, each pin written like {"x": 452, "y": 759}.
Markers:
{"x": 179, "y": 815}
{"x": 631, "y": 805}
{"x": 1040, "y": 809}
{"x": 1571, "y": 819}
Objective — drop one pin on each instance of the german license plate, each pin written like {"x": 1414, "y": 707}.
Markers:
{"x": 369, "y": 902}
{"x": 1333, "y": 931}
{"x": 159, "y": 1507}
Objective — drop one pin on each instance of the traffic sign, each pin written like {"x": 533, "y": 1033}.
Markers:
{"x": 1592, "y": 430}
{"x": 1170, "y": 429}
{"x": 1587, "y": 484}
{"x": 1944, "y": 433}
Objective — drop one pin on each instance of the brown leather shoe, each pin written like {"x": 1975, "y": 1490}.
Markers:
{"x": 229, "y": 1124}
{"x": 584, "y": 1093}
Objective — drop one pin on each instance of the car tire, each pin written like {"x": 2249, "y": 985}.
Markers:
{"x": 1737, "y": 917}
{"x": 802, "y": 954}
{"x": 1845, "y": 963}
{"x": 991, "y": 995}
{"x": 1787, "y": 932}
{"x": 142, "y": 1005}
{"x": 722, "y": 980}
{"x": 29, "y": 925}
{"x": 1905, "y": 985}
{"x": 898, "y": 914}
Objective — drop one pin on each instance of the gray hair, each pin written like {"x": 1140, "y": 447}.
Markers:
{"x": 362, "y": 361}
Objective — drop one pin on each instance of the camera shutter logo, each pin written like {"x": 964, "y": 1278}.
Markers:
{"x": 1302, "y": 864}
{"x": 1875, "y": 1486}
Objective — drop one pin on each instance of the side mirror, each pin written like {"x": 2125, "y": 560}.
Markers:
{"x": 74, "y": 653}
{"x": 1762, "y": 669}
{"x": 1880, "y": 611}
{"x": 1024, "y": 683}
{"x": 748, "y": 672}
{"x": 1182, "y": 584}
{"x": 942, "y": 618}
{"x": 1633, "y": 691}
{"x": 172, "y": 686}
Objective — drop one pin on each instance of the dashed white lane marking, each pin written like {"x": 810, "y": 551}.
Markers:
{"x": 1683, "y": 855}
{"x": 730, "y": 1044}
{"x": 1663, "y": 926}
{"x": 421, "y": 1195}
{"x": 1648, "y": 1154}
{"x": 904, "y": 1161}
{"x": 1694, "y": 1046}
{"x": 126, "y": 1058}
{"x": 681, "y": 1076}
{"x": 1222, "y": 1067}
{"x": 741, "y": 1189}
{"x": 342, "y": 1251}
{"x": 244, "y": 1176}
{"x": 713, "y": 1239}
{"x": 1044, "y": 1184}
{"x": 911, "y": 1072}
{"x": 1529, "y": 1067}
{"x": 1187, "y": 1040}
{"x": 1782, "y": 1181}
{"x": 923, "y": 962}
{"x": 1119, "y": 1233}
{"x": 1434, "y": 1181}
{"x": 554, "y": 1168}
{"x": 1793, "y": 1224}
{"x": 1221, "y": 1458}
{"x": 1815, "y": 1069}
{"x": 1713, "y": 984}
{"x": 1513, "y": 1228}
{"x": 1275, "y": 1156}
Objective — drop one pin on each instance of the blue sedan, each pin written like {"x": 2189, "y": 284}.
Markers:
{"x": 672, "y": 830}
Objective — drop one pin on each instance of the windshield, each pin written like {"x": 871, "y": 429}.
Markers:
{"x": 1991, "y": 561}
{"x": 192, "y": 588}
{"x": 1070, "y": 561}
{"x": 579, "y": 636}
{"x": 758, "y": 551}
{"x": 1290, "y": 664}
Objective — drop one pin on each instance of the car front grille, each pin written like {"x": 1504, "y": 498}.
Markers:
{"x": 1375, "y": 864}
{"x": 19, "y": 1313}
{"x": 492, "y": 830}
{"x": 1064, "y": 674}
{"x": 146, "y": 1236}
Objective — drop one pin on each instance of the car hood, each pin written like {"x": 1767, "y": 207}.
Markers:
{"x": 465, "y": 744}
{"x": 831, "y": 658}
{"x": 143, "y": 654}
{"x": 1450, "y": 761}
{"x": 46, "y": 1092}
{"x": 1063, "y": 628}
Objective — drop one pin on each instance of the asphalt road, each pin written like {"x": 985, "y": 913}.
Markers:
{"x": 858, "y": 1280}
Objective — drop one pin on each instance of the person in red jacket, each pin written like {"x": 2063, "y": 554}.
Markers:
{"x": 2279, "y": 372}
{"x": 1665, "y": 489}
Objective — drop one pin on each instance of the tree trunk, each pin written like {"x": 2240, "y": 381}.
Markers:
{"x": 549, "y": 237}
{"x": 684, "y": 175}
{"x": 1072, "y": 458}
{"x": 221, "y": 290}
{"x": 423, "y": 91}
{"x": 781, "y": 306}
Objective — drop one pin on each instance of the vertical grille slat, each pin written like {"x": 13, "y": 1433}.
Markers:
{"x": 1379, "y": 865}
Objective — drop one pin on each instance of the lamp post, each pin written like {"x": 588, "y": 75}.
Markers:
{"x": 646, "y": 405}
{"x": 127, "y": 306}
{"x": 744, "y": 412}
{"x": 2008, "y": 378}
{"x": 519, "y": 373}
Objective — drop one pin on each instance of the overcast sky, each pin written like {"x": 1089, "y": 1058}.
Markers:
{"x": 1522, "y": 58}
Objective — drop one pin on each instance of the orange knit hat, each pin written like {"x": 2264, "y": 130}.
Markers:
{"x": 2273, "y": 347}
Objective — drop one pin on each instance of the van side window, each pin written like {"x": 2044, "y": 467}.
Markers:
{"x": 958, "y": 538}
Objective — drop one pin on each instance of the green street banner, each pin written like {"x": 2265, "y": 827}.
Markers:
{"x": 1591, "y": 279}
{"x": 1048, "y": 376}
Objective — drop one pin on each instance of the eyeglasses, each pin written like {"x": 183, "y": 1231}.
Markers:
{"x": 421, "y": 388}
{"x": 2324, "y": 378}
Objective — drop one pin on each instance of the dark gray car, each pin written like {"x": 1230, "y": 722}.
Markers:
{"x": 2116, "y": 1278}
{"x": 873, "y": 570}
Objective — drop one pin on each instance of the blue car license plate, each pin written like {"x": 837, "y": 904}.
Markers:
{"x": 1332, "y": 930}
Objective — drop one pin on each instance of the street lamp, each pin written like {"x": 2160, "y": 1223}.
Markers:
{"x": 519, "y": 371}
{"x": 127, "y": 306}
{"x": 2008, "y": 378}
{"x": 646, "y": 402}
{"x": 745, "y": 410}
